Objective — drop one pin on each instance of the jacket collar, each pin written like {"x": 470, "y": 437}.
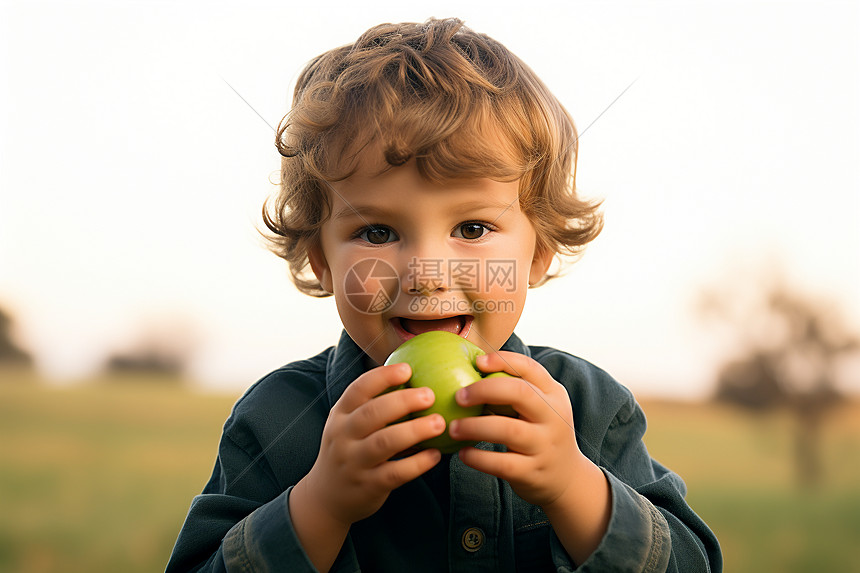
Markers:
{"x": 346, "y": 363}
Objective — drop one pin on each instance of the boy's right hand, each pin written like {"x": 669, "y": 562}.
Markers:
{"x": 354, "y": 473}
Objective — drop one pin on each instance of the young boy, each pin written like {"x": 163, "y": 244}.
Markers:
{"x": 428, "y": 181}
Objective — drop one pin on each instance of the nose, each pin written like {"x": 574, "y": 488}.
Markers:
{"x": 425, "y": 276}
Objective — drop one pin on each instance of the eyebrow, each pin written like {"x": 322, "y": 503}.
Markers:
{"x": 361, "y": 211}
{"x": 371, "y": 211}
{"x": 480, "y": 205}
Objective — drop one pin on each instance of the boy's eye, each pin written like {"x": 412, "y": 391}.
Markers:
{"x": 377, "y": 235}
{"x": 471, "y": 231}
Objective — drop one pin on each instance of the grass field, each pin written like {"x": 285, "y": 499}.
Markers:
{"x": 98, "y": 477}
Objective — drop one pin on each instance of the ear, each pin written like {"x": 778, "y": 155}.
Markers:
{"x": 320, "y": 267}
{"x": 540, "y": 263}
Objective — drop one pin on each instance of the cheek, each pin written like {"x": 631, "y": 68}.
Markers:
{"x": 502, "y": 274}
{"x": 512, "y": 274}
{"x": 343, "y": 263}
{"x": 506, "y": 286}
{"x": 502, "y": 299}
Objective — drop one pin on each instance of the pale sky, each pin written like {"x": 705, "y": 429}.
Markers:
{"x": 132, "y": 176}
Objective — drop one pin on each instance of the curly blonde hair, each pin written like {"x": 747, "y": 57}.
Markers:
{"x": 433, "y": 92}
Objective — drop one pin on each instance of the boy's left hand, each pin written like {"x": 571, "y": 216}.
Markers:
{"x": 543, "y": 458}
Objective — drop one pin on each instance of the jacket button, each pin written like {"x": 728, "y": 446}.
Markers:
{"x": 473, "y": 539}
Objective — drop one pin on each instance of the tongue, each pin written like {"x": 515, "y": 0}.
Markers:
{"x": 452, "y": 324}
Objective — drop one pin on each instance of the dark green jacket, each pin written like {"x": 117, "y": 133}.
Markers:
{"x": 453, "y": 518}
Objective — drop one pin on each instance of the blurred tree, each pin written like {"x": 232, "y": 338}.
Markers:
{"x": 145, "y": 360}
{"x": 10, "y": 352}
{"x": 789, "y": 346}
{"x": 162, "y": 350}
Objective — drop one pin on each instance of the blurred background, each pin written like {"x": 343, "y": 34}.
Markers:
{"x": 137, "y": 301}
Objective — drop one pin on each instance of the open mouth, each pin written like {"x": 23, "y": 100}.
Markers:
{"x": 406, "y": 328}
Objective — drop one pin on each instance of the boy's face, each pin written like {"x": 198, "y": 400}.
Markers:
{"x": 403, "y": 255}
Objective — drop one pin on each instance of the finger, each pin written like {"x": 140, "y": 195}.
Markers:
{"x": 388, "y": 408}
{"x": 518, "y": 365}
{"x": 526, "y": 399}
{"x": 395, "y": 473}
{"x": 517, "y": 435}
{"x": 391, "y": 440}
{"x": 509, "y": 466}
{"x": 371, "y": 384}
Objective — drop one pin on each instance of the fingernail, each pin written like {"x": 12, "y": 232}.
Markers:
{"x": 438, "y": 422}
{"x": 437, "y": 456}
{"x": 454, "y": 426}
{"x": 461, "y": 396}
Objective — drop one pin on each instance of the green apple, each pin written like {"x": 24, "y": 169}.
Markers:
{"x": 443, "y": 362}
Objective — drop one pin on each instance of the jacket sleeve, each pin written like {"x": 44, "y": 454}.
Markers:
{"x": 241, "y": 520}
{"x": 229, "y": 532}
{"x": 228, "y": 529}
{"x": 651, "y": 527}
